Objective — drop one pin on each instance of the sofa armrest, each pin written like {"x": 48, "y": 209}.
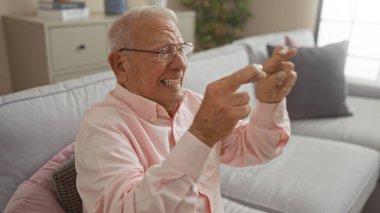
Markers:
{"x": 363, "y": 88}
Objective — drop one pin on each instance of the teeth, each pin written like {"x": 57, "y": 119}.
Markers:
{"x": 171, "y": 82}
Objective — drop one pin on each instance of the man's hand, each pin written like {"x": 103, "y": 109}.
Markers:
{"x": 223, "y": 107}
{"x": 280, "y": 53}
{"x": 281, "y": 76}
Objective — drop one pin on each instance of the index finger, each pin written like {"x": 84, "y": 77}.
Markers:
{"x": 250, "y": 73}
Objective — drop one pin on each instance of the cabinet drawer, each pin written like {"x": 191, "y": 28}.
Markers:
{"x": 71, "y": 75}
{"x": 76, "y": 46}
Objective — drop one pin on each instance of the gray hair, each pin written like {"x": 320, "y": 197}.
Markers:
{"x": 121, "y": 33}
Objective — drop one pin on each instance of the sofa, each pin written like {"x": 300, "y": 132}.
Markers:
{"x": 331, "y": 164}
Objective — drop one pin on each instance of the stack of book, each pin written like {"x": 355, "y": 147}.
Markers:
{"x": 62, "y": 10}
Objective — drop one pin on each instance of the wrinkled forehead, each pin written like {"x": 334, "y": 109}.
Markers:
{"x": 157, "y": 32}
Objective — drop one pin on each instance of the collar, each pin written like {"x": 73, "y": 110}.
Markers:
{"x": 143, "y": 107}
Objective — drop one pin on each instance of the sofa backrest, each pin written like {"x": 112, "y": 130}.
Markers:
{"x": 210, "y": 65}
{"x": 257, "y": 44}
{"x": 36, "y": 123}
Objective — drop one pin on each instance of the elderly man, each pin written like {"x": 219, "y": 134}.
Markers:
{"x": 153, "y": 146}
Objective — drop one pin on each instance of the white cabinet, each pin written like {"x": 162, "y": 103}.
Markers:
{"x": 44, "y": 51}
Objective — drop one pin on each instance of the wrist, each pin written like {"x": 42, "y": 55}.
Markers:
{"x": 202, "y": 136}
{"x": 268, "y": 101}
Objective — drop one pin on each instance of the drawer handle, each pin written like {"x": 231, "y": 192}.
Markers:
{"x": 81, "y": 47}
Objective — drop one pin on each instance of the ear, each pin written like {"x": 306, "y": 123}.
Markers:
{"x": 116, "y": 61}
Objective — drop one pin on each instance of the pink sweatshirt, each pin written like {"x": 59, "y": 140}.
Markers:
{"x": 131, "y": 156}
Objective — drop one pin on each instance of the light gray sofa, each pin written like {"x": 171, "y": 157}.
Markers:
{"x": 330, "y": 165}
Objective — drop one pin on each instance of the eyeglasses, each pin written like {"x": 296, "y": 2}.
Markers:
{"x": 167, "y": 53}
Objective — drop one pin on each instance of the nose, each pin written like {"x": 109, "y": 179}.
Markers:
{"x": 179, "y": 61}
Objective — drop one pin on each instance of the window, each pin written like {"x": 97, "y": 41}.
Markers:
{"x": 359, "y": 22}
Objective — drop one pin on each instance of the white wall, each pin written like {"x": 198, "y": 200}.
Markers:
{"x": 279, "y": 15}
{"x": 270, "y": 15}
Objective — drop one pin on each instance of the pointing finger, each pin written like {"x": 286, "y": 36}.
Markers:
{"x": 250, "y": 73}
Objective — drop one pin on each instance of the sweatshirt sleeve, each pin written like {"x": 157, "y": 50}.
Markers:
{"x": 259, "y": 140}
{"x": 111, "y": 177}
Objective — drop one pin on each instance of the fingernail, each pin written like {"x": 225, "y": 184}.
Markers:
{"x": 284, "y": 50}
{"x": 258, "y": 67}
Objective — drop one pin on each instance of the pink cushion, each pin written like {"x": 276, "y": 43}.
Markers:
{"x": 37, "y": 193}
{"x": 290, "y": 42}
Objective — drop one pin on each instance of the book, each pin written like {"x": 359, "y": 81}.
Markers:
{"x": 64, "y": 14}
{"x": 48, "y": 5}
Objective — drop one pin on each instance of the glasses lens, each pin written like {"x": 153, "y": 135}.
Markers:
{"x": 167, "y": 53}
{"x": 187, "y": 49}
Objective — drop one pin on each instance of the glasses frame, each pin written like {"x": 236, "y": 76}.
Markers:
{"x": 160, "y": 52}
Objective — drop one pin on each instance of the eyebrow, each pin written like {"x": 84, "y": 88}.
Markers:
{"x": 160, "y": 42}
{"x": 163, "y": 42}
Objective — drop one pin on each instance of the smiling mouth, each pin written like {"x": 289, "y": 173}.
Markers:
{"x": 171, "y": 82}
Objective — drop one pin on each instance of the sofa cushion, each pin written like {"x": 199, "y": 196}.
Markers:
{"x": 320, "y": 90}
{"x": 210, "y": 65}
{"x": 231, "y": 206}
{"x": 362, "y": 128}
{"x": 37, "y": 123}
{"x": 312, "y": 174}
{"x": 37, "y": 194}
{"x": 290, "y": 42}
{"x": 363, "y": 88}
{"x": 64, "y": 181}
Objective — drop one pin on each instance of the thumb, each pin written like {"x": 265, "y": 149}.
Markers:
{"x": 250, "y": 73}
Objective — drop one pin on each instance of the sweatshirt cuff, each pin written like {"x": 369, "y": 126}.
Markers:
{"x": 189, "y": 156}
{"x": 269, "y": 114}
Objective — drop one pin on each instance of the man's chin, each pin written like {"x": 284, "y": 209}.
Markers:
{"x": 179, "y": 96}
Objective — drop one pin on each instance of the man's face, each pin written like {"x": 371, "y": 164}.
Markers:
{"x": 146, "y": 76}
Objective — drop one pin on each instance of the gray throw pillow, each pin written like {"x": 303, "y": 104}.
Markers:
{"x": 64, "y": 181}
{"x": 320, "y": 90}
